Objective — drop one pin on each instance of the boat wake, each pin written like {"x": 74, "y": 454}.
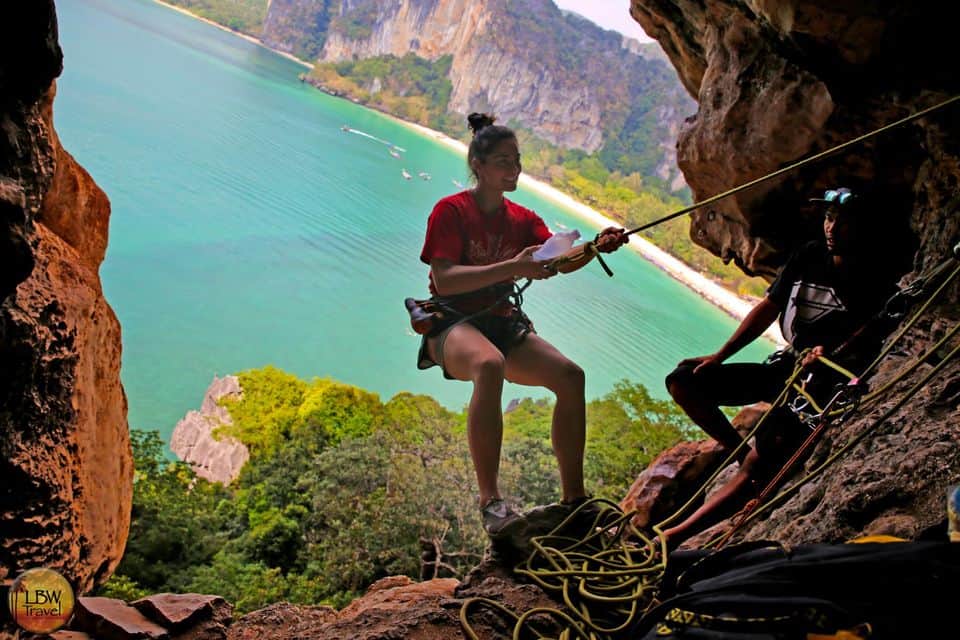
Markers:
{"x": 392, "y": 146}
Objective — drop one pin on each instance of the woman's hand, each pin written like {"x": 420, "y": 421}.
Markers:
{"x": 524, "y": 266}
{"x": 611, "y": 239}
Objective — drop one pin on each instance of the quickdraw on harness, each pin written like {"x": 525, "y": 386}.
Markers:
{"x": 425, "y": 314}
{"x": 853, "y": 395}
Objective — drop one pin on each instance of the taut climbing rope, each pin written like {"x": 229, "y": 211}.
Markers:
{"x": 589, "y": 248}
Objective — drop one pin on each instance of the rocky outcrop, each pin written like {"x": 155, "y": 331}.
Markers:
{"x": 512, "y": 58}
{"x": 65, "y": 458}
{"x": 397, "y": 607}
{"x": 776, "y": 81}
{"x": 213, "y": 458}
{"x": 164, "y": 616}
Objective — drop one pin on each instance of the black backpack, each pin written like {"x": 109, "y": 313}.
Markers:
{"x": 760, "y": 590}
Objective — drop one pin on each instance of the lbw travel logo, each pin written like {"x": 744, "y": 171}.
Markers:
{"x": 41, "y": 600}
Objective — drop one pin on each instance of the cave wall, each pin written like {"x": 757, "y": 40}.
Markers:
{"x": 780, "y": 80}
{"x": 65, "y": 458}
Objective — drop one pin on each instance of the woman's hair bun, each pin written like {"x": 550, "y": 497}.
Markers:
{"x": 478, "y": 121}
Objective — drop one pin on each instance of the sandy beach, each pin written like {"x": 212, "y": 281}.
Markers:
{"x": 705, "y": 287}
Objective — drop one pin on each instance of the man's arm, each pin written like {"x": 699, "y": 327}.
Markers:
{"x": 751, "y": 328}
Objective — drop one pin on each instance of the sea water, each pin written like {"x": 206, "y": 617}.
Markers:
{"x": 248, "y": 228}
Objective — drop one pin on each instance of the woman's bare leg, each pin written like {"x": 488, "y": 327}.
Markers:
{"x": 535, "y": 362}
{"x": 469, "y": 356}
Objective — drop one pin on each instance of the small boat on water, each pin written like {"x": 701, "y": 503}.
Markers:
{"x": 393, "y": 153}
{"x": 406, "y": 174}
{"x": 424, "y": 175}
{"x": 344, "y": 128}
{"x": 458, "y": 184}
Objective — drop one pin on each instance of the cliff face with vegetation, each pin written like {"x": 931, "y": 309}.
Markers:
{"x": 65, "y": 458}
{"x": 513, "y": 58}
{"x": 777, "y": 81}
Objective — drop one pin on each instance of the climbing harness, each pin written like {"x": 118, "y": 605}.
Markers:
{"x": 425, "y": 314}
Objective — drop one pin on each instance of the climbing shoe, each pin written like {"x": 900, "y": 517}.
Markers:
{"x": 499, "y": 520}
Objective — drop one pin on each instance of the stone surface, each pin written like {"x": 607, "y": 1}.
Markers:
{"x": 65, "y": 455}
{"x": 281, "y": 621}
{"x": 188, "y": 615}
{"x": 392, "y": 608}
{"x": 776, "y": 81}
{"x": 213, "y": 458}
{"x": 670, "y": 480}
{"x": 111, "y": 619}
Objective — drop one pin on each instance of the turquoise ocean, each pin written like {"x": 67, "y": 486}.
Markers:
{"x": 248, "y": 229}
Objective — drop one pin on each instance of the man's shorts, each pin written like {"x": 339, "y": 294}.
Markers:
{"x": 504, "y": 332}
{"x": 738, "y": 384}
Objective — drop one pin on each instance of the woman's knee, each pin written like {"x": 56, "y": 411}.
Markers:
{"x": 488, "y": 367}
{"x": 568, "y": 378}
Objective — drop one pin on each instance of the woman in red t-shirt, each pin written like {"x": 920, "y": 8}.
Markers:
{"x": 477, "y": 244}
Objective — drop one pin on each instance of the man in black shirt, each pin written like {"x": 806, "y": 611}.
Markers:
{"x": 825, "y": 296}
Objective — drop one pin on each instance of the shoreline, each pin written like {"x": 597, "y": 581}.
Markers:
{"x": 245, "y": 36}
{"x": 727, "y": 301}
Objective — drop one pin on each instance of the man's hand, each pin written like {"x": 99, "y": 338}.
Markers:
{"x": 524, "y": 266}
{"x": 611, "y": 239}
{"x": 702, "y": 362}
{"x": 812, "y": 356}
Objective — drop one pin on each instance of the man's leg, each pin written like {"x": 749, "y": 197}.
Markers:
{"x": 702, "y": 394}
{"x": 722, "y": 504}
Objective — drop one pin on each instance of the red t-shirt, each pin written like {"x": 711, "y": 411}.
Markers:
{"x": 459, "y": 232}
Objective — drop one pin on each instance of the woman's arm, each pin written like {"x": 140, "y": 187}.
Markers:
{"x": 451, "y": 279}
{"x": 607, "y": 241}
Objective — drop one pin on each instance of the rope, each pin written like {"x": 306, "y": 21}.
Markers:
{"x": 608, "y": 577}
{"x": 799, "y": 163}
{"x": 780, "y": 172}
{"x": 826, "y": 416}
{"x": 605, "y": 578}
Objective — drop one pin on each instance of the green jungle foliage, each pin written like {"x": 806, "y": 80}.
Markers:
{"x": 245, "y": 16}
{"x": 411, "y": 87}
{"x": 342, "y": 489}
{"x": 304, "y": 26}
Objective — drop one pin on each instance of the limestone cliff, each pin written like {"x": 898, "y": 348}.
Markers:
{"x": 563, "y": 77}
{"x": 779, "y": 80}
{"x": 217, "y": 460}
{"x": 65, "y": 459}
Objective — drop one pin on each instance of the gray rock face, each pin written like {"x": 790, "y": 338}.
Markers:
{"x": 193, "y": 441}
{"x": 556, "y": 74}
